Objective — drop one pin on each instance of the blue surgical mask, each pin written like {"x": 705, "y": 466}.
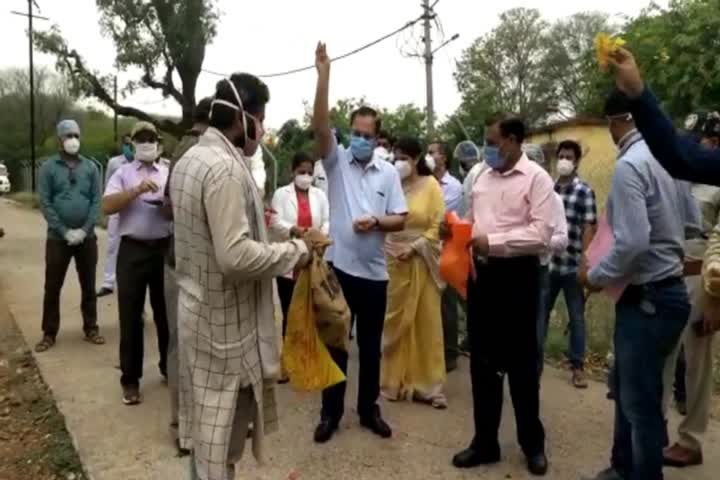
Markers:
{"x": 127, "y": 152}
{"x": 361, "y": 148}
{"x": 492, "y": 157}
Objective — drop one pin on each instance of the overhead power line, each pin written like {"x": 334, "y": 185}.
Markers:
{"x": 345, "y": 55}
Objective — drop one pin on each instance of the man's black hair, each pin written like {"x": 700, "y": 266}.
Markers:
{"x": 570, "y": 145}
{"x": 201, "y": 114}
{"x": 616, "y": 104}
{"x": 367, "y": 112}
{"x": 444, "y": 148}
{"x": 301, "y": 157}
{"x": 385, "y": 134}
{"x": 513, "y": 126}
{"x": 254, "y": 95}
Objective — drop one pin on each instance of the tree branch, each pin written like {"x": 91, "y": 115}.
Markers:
{"x": 74, "y": 64}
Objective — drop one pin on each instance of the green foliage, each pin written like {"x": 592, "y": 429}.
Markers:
{"x": 677, "y": 50}
{"x": 570, "y": 61}
{"x": 52, "y": 103}
{"x": 504, "y": 71}
{"x": 164, "y": 39}
{"x": 533, "y": 68}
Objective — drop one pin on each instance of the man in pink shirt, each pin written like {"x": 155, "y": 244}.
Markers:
{"x": 512, "y": 208}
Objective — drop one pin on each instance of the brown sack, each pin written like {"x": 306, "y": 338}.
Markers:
{"x": 332, "y": 314}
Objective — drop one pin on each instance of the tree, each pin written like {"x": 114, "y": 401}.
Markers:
{"x": 407, "y": 119}
{"x": 677, "y": 49}
{"x": 504, "y": 70}
{"x": 570, "y": 61}
{"x": 52, "y": 102}
{"x": 164, "y": 39}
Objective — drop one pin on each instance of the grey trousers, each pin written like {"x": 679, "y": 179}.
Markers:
{"x": 171, "y": 304}
{"x": 698, "y": 374}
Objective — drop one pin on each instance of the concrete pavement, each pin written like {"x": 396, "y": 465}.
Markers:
{"x": 117, "y": 442}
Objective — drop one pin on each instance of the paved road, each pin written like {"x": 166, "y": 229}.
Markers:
{"x": 132, "y": 443}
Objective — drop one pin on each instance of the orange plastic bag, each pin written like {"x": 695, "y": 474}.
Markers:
{"x": 455, "y": 255}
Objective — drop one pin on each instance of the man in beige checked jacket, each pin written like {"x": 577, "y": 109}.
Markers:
{"x": 228, "y": 343}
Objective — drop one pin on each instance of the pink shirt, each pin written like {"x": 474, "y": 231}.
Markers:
{"x": 515, "y": 209}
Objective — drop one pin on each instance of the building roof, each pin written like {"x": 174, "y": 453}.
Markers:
{"x": 582, "y": 121}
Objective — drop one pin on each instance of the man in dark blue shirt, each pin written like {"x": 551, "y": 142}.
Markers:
{"x": 681, "y": 155}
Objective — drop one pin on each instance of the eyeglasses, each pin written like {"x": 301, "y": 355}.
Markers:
{"x": 366, "y": 136}
{"x": 72, "y": 135}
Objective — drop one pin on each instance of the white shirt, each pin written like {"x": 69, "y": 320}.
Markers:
{"x": 559, "y": 240}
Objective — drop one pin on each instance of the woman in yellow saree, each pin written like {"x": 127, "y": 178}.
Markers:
{"x": 413, "y": 362}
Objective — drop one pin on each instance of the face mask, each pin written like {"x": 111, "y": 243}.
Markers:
{"x": 382, "y": 153}
{"x": 303, "y": 182}
{"x": 404, "y": 169}
{"x": 565, "y": 167}
{"x": 71, "y": 146}
{"x": 493, "y": 158}
{"x": 361, "y": 148}
{"x": 127, "y": 152}
{"x": 146, "y": 152}
{"x": 430, "y": 162}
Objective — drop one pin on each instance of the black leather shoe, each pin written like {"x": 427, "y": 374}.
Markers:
{"x": 325, "y": 430}
{"x": 470, "y": 457}
{"x": 376, "y": 424}
{"x": 537, "y": 464}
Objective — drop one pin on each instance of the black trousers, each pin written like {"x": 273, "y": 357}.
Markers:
{"x": 449, "y": 312}
{"x": 139, "y": 268}
{"x": 57, "y": 260}
{"x": 367, "y": 300}
{"x": 286, "y": 286}
{"x": 502, "y": 327}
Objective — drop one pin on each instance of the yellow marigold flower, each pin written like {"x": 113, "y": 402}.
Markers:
{"x": 605, "y": 45}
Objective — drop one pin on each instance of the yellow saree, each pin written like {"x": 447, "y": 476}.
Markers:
{"x": 413, "y": 362}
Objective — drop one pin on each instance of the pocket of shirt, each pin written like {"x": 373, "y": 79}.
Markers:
{"x": 512, "y": 208}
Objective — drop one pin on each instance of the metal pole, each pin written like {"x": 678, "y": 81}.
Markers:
{"x": 115, "y": 115}
{"x": 32, "y": 94}
{"x": 428, "y": 70}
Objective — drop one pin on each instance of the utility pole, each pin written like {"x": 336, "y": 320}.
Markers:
{"x": 429, "y": 54}
{"x": 430, "y": 104}
{"x": 115, "y": 115}
{"x": 30, "y": 17}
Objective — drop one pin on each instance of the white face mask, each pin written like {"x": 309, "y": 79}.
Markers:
{"x": 404, "y": 169}
{"x": 146, "y": 152}
{"x": 430, "y": 162}
{"x": 71, "y": 146}
{"x": 304, "y": 181}
{"x": 565, "y": 167}
{"x": 382, "y": 153}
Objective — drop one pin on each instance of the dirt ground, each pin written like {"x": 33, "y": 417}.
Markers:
{"x": 34, "y": 443}
{"x": 116, "y": 442}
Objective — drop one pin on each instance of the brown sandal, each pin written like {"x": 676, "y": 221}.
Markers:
{"x": 45, "y": 344}
{"x": 95, "y": 338}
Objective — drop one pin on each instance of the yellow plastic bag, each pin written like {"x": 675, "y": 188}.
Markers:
{"x": 305, "y": 358}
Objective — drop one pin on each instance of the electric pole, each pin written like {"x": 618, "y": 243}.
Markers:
{"x": 115, "y": 115}
{"x": 428, "y": 55}
{"x": 430, "y": 104}
{"x": 30, "y": 17}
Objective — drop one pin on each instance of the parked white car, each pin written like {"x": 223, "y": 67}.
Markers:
{"x": 4, "y": 180}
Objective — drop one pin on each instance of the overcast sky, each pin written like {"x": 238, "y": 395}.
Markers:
{"x": 276, "y": 35}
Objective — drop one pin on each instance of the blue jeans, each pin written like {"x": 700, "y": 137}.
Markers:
{"x": 575, "y": 301}
{"x": 649, "y": 322}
